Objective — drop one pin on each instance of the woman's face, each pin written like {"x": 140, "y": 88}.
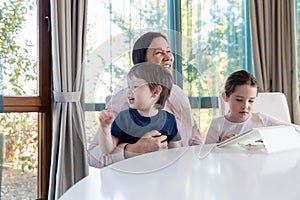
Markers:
{"x": 159, "y": 52}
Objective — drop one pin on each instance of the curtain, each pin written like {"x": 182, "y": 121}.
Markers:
{"x": 68, "y": 155}
{"x": 274, "y": 49}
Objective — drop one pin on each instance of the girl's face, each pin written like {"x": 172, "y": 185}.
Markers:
{"x": 240, "y": 103}
{"x": 140, "y": 96}
{"x": 159, "y": 52}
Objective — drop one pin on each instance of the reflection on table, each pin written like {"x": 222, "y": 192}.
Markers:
{"x": 198, "y": 172}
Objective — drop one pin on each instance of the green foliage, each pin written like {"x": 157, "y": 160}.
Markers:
{"x": 143, "y": 15}
{"x": 213, "y": 35}
{"x": 20, "y": 130}
{"x": 15, "y": 60}
{"x": 215, "y": 38}
{"x": 20, "y": 140}
{"x": 217, "y": 46}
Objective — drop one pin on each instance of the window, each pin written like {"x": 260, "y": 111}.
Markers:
{"x": 26, "y": 121}
{"x": 214, "y": 41}
{"x": 113, "y": 27}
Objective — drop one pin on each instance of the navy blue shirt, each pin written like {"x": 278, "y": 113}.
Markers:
{"x": 129, "y": 126}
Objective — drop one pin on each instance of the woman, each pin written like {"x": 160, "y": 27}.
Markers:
{"x": 151, "y": 47}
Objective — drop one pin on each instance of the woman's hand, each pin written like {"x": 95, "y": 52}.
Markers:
{"x": 228, "y": 136}
{"x": 151, "y": 141}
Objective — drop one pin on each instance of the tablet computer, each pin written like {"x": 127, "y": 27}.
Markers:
{"x": 250, "y": 135}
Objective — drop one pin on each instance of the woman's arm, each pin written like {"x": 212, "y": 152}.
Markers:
{"x": 105, "y": 141}
{"x": 151, "y": 141}
{"x": 178, "y": 104}
{"x": 196, "y": 138}
{"x": 97, "y": 158}
{"x": 214, "y": 130}
{"x": 176, "y": 144}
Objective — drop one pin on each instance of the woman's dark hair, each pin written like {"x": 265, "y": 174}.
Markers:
{"x": 140, "y": 47}
{"x": 238, "y": 78}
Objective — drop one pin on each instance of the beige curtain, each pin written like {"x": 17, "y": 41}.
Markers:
{"x": 68, "y": 156}
{"x": 274, "y": 49}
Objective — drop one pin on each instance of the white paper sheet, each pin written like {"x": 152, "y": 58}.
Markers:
{"x": 280, "y": 138}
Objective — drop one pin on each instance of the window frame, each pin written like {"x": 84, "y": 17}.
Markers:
{"x": 41, "y": 103}
{"x": 174, "y": 12}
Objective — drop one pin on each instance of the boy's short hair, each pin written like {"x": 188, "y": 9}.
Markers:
{"x": 154, "y": 75}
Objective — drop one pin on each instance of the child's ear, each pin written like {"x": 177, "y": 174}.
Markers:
{"x": 224, "y": 97}
{"x": 157, "y": 91}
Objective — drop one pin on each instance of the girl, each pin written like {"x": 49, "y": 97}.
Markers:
{"x": 240, "y": 93}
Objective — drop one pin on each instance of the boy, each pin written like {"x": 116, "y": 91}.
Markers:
{"x": 149, "y": 86}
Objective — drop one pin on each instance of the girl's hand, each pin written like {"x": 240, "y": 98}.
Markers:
{"x": 228, "y": 136}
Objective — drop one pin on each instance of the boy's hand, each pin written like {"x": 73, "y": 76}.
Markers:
{"x": 106, "y": 117}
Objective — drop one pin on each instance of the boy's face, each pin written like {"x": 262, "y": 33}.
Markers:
{"x": 139, "y": 95}
{"x": 240, "y": 103}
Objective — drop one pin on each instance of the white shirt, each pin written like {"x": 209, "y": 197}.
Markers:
{"x": 221, "y": 127}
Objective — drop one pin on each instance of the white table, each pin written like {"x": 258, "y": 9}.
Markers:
{"x": 184, "y": 174}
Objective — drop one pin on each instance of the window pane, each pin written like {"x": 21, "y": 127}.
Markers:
{"x": 113, "y": 27}
{"x": 18, "y": 145}
{"x": 215, "y": 42}
{"x": 214, "y": 45}
{"x": 18, "y": 47}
